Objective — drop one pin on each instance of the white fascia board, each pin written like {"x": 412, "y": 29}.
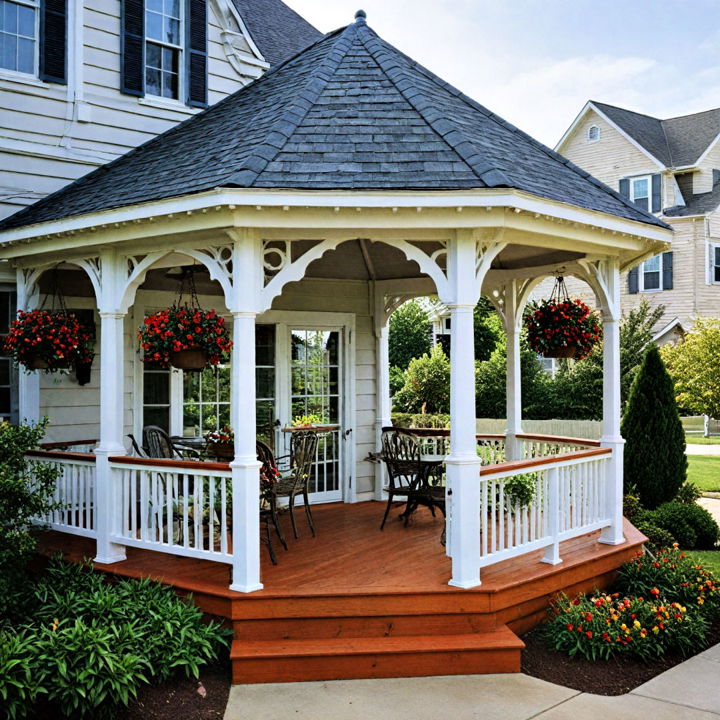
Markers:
{"x": 636, "y": 144}
{"x": 286, "y": 199}
{"x": 572, "y": 127}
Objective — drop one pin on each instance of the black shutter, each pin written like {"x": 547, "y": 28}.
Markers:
{"x": 132, "y": 44}
{"x": 625, "y": 188}
{"x": 656, "y": 193}
{"x": 633, "y": 281}
{"x": 53, "y": 41}
{"x": 197, "y": 53}
{"x": 667, "y": 268}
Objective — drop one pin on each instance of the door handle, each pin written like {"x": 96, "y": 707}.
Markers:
{"x": 348, "y": 432}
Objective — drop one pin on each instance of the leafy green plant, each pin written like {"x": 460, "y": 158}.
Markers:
{"x": 19, "y": 684}
{"x": 692, "y": 526}
{"x": 688, "y": 494}
{"x": 631, "y": 506}
{"x": 658, "y": 537}
{"x": 427, "y": 384}
{"x": 409, "y": 334}
{"x": 25, "y": 494}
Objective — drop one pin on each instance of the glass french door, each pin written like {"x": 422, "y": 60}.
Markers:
{"x": 315, "y": 395}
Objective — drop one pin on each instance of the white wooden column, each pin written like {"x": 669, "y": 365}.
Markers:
{"x": 612, "y": 438}
{"x": 513, "y": 389}
{"x": 28, "y": 382}
{"x": 112, "y": 406}
{"x": 242, "y": 299}
{"x": 383, "y": 410}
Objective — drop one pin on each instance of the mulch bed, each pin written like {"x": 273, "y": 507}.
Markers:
{"x": 600, "y": 677}
{"x": 179, "y": 699}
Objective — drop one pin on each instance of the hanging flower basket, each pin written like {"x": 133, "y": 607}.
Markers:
{"x": 184, "y": 337}
{"x": 560, "y": 327}
{"x": 48, "y": 340}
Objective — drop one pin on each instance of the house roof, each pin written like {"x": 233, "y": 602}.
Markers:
{"x": 277, "y": 30}
{"x": 696, "y": 204}
{"x": 675, "y": 142}
{"x": 348, "y": 112}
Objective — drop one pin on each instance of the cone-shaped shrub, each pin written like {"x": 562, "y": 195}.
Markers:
{"x": 655, "y": 461}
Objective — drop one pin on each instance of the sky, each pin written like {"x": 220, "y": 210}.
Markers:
{"x": 537, "y": 62}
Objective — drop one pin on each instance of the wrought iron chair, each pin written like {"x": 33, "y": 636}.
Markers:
{"x": 294, "y": 482}
{"x": 408, "y": 475}
{"x": 157, "y": 443}
{"x": 268, "y": 499}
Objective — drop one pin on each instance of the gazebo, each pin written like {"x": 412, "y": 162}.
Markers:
{"x": 319, "y": 198}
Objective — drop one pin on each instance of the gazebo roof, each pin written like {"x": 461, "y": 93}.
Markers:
{"x": 350, "y": 112}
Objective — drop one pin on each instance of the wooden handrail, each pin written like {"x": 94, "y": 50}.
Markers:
{"x": 539, "y": 462}
{"x": 170, "y": 463}
{"x": 67, "y": 443}
{"x": 60, "y": 455}
{"x": 560, "y": 438}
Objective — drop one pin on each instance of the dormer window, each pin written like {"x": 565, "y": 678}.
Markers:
{"x": 593, "y": 133}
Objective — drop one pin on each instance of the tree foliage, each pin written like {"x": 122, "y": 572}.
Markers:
{"x": 694, "y": 365}
{"x": 655, "y": 462}
{"x": 427, "y": 384}
{"x": 410, "y": 334}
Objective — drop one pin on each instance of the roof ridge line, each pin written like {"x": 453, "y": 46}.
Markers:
{"x": 293, "y": 114}
{"x": 444, "y": 128}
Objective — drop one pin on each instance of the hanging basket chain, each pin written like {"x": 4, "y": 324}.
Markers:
{"x": 559, "y": 292}
{"x": 55, "y": 293}
{"x": 187, "y": 288}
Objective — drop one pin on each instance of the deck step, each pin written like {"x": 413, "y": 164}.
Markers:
{"x": 497, "y": 651}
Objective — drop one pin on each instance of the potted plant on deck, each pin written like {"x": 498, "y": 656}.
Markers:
{"x": 560, "y": 327}
{"x": 184, "y": 337}
{"x": 221, "y": 443}
{"x": 48, "y": 340}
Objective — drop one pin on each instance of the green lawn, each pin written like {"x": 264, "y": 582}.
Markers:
{"x": 704, "y": 471}
{"x": 701, "y": 440}
{"x": 709, "y": 559}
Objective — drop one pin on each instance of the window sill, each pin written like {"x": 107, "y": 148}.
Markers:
{"x": 166, "y": 104}
{"x": 22, "y": 79}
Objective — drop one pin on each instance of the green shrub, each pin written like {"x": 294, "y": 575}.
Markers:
{"x": 655, "y": 459}
{"x": 657, "y": 536}
{"x": 631, "y": 506}
{"x": 601, "y": 626}
{"x": 672, "y": 575}
{"x": 409, "y": 335}
{"x": 19, "y": 686}
{"x": 397, "y": 380}
{"x": 692, "y": 526}
{"x": 25, "y": 493}
{"x": 688, "y": 494}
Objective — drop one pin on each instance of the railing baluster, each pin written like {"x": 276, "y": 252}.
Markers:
{"x": 223, "y": 516}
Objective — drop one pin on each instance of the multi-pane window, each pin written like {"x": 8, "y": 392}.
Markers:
{"x": 714, "y": 269}
{"x": 8, "y": 373}
{"x": 18, "y": 35}
{"x": 206, "y": 400}
{"x": 156, "y": 397}
{"x": 163, "y": 46}
{"x": 652, "y": 273}
{"x": 265, "y": 413}
{"x": 640, "y": 191}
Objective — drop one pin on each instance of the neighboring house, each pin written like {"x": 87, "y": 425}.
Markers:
{"x": 671, "y": 168}
{"x": 84, "y": 81}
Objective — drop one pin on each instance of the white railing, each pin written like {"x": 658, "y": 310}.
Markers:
{"x": 535, "y": 504}
{"x": 173, "y": 506}
{"x": 536, "y": 446}
{"x": 74, "y": 495}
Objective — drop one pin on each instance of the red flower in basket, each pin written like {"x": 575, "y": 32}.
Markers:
{"x": 178, "y": 329}
{"x": 48, "y": 340}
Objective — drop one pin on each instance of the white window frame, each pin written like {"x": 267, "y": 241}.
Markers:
{"x": 713, "y": 248}
{"x": 181, "y": 59}
{"x": 35, "y": 74}
{"x": 590, "y": 138}
{"x": 637, "y": 178}
{"x": 641, "y": 275}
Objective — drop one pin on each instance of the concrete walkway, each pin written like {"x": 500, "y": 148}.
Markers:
{"x": 690, "y": 691}
{"x": 702, "y": 449}
{"x": 712, "y": 505}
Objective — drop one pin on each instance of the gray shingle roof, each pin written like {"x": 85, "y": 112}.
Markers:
{"x": 675, "y": 142}
{"x": 277, "y": 30}
{"x": 349, "y": 112}
{"x": 696, "y": 204}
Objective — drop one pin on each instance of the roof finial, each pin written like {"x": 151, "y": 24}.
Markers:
{"x": 360, "y": 16}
